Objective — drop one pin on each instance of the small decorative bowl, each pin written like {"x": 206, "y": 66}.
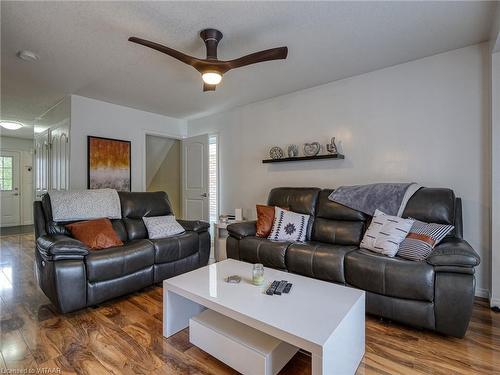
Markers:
{"x": 276, "y": 152}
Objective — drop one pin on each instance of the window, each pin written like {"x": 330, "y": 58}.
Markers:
{"x": 212, "y": 178}
{"x": 6, "y": 169}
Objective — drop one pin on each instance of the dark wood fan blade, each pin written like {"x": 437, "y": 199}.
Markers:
{"x": 257, "y": 57}
{"x": 190, "y": 60}
{"x": 207, "y": 87}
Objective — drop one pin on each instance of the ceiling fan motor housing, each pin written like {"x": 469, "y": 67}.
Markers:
{"x": 211, "y": 37}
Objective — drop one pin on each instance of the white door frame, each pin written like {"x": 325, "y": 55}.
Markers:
{"x": 217, "y": 136}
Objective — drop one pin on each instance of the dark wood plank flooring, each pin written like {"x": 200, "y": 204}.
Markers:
{"x": 124, "y": 336}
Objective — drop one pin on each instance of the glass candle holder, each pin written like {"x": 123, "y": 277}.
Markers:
{"x": 258, "y": 274}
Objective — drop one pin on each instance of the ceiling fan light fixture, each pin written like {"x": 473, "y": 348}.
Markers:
{"x": 11, "y": 125}
{"x": 211, "y": 68}
{"x": 211, "y": 78}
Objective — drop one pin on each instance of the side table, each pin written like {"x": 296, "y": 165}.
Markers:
{"x": 221, "y": 235}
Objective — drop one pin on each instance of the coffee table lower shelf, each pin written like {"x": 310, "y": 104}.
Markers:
{"x": 239, "y": 346}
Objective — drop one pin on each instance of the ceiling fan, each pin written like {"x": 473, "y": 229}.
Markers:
{"x": 211, "y": 68}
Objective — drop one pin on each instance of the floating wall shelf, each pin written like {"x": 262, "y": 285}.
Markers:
{"x": 303, "y": 158}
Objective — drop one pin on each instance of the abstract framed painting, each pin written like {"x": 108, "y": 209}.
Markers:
{"x": 108, "y": 164}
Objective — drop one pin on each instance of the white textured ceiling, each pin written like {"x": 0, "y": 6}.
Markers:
{"x": 84, "y": 50}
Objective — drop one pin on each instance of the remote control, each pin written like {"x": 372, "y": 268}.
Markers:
{"x": 287, "y": 288}
{"x": 272, "y": 287}
{"x": 281, "y": 287}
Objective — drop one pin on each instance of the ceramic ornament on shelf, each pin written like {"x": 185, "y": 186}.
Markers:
{"x": 332, "y": 147}
{"x": 293, "y": 151}
{"x": 276, "y": 153}
{"x": 312, "y": 149}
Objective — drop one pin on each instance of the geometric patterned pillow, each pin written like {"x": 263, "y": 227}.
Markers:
{"x": 385, "y": 233}
{"x": 422, "y": 239}
{"x": 288, "y": 226}
{"x": 162, "y": 226}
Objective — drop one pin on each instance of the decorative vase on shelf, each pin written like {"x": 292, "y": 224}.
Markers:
{"x": 332, "y": 147}
{"x": 293, "y": 151}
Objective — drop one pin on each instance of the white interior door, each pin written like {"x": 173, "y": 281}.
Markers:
{"x": 195, "y": 178}
{"x": 9, "y": 189}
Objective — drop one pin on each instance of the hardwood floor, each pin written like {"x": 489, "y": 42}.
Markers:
{"x": 124, "y": 336}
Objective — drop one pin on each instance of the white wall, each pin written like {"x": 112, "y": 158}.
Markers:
{"x": 495, "y": 158}
{"x": 93, "y": 117}
{"x": 168, "y": 176}
{"x": 157, "y": 149}
{"x": 16, "y": 144}
{"x": 425, "y": 121}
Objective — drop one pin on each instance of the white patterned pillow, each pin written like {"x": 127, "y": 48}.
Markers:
{"x": 422, "y": 239}
{"x": 162, "y": 226}
{"x": 385, "y": 233}
{"x": 289, "y": 226}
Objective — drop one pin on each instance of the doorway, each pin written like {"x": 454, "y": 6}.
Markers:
{"x": 9, "y": 188}
{"x": 16, "y": 181}
{"x": 163, "y": 168}
{"x": 188, "y": 171}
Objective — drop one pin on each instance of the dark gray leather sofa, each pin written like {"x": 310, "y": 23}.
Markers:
{"x": 436, "y": 294}
{"x": 73, "y": 277}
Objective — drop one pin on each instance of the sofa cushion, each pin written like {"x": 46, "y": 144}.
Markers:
{"x": 385, "y": 233}
{"x": 176, "y": 247}
{"x": 289, "y": 226}
{"x": 337, "y": 232}
{"x": 393, "y": 277}
{"x": 319, "y": 260}
{"x": 96, "y": 234}
{"x": 136, "y": 229}
{"x": 432, "y": 205}
{"x": 422, "y": 239}
{"x": 116, "y": 262}
{"x": 337, "y": 224}
{"x": 120, "y": 230}
{"x": 139, "y": 204}
{"x": 300, "y": 200}
{"x": 332, "y": 210}
{"x": 265, "y": 220}
{"x": 261, "y": 250}
{"x": 162, "y": 226}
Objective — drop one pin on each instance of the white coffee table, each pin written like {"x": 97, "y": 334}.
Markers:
{"x": 323, "y": 318}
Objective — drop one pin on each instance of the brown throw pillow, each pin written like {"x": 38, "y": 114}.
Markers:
{"x": 265, "y": 219}
{"x": 96, "y": 234}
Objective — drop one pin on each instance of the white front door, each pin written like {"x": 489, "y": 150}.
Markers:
{"x": 9, "y": 189}
{"x": 195, "y": 178}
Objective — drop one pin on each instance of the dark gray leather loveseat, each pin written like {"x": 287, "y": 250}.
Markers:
{"x": 435, "y": 294}
{"x": 73, "y": 277}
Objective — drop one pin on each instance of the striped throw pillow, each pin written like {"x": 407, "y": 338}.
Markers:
{"x": 385, "y": 233}
{"x": 422, "y": 239}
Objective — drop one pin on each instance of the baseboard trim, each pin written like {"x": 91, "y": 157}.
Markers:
{"x": 495, "y": 302}
{"x": 483, "y": 293}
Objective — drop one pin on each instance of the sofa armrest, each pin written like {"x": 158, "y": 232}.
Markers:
{"x": 454, "y": 252}
{"x": 194, "y": 225}
{"x": 59, "y": 246}
{"x": 242, "y": 230}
